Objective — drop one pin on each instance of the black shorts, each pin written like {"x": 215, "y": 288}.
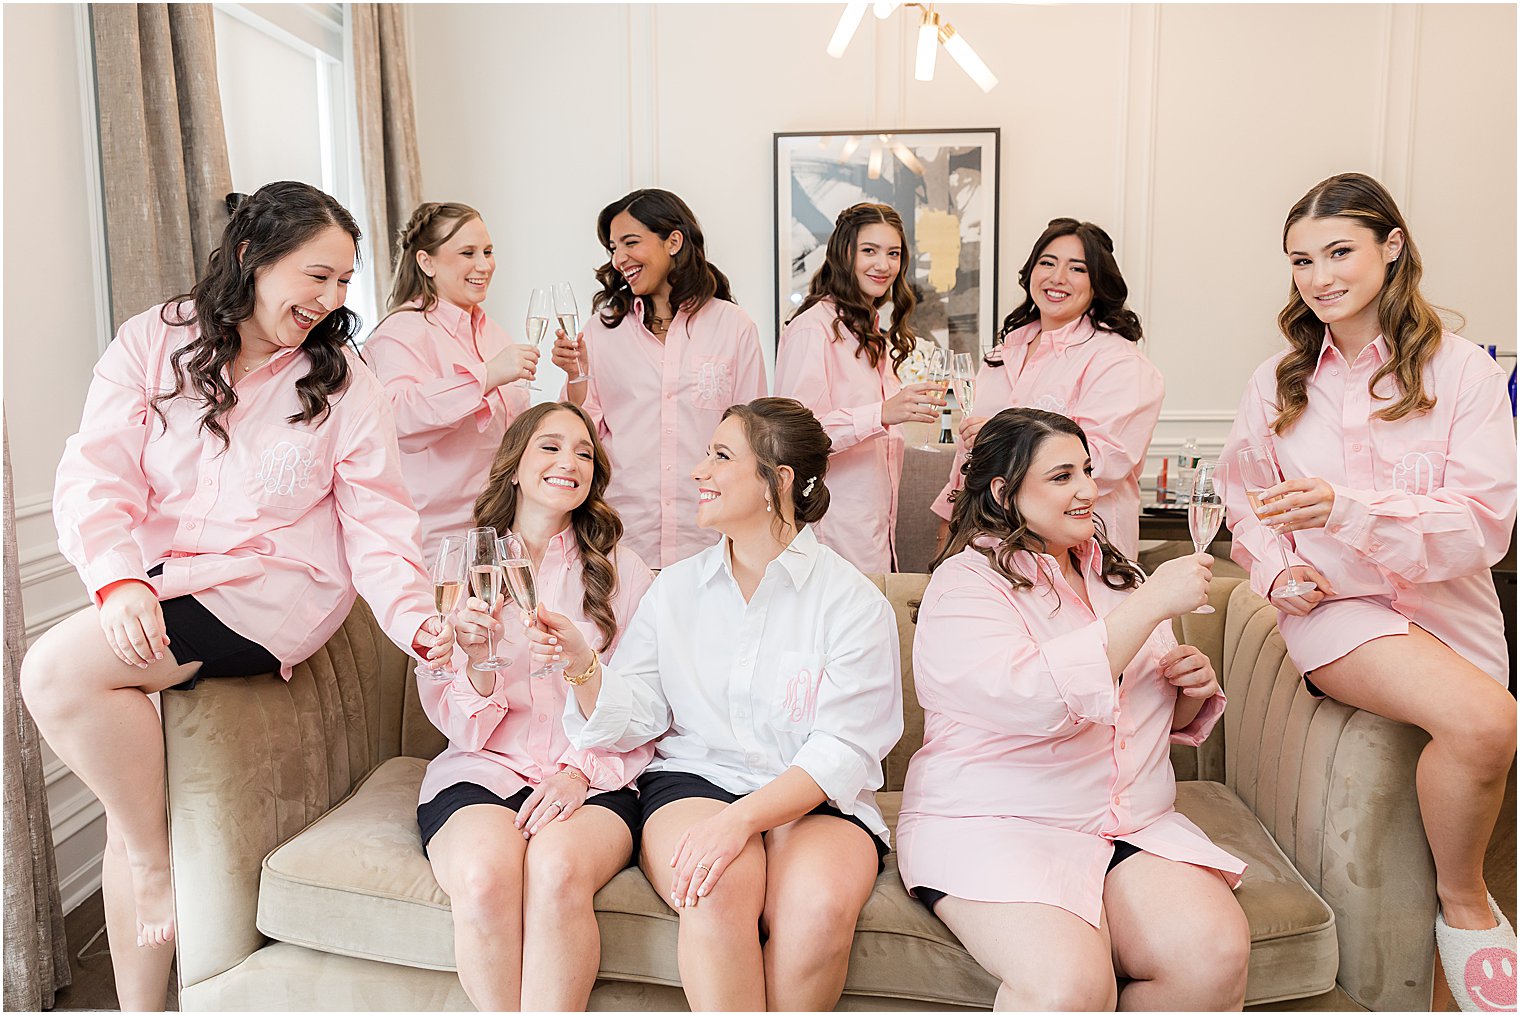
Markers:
{"x": 656, "y": 789}
{"x": 432, "y": 815}
{"x": 196, "y": 636}
{"x": 1122, "y": 852}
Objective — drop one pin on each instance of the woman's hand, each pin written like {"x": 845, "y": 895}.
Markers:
{"x": 434, "y": 641}
{"x": 704, "y": 853}
{"x": 1189, "y": 670}
{"x": 553, "y": 638}
{"x": 1299, "y": 606}
{"x": 1296, "y": 504}
{"x": 569, "y": 354}
{"x": 915, "y": 403}
{"x": 133, "y": 622}
{"x": 514, "y": 363}
{"x": 1180, "y": 585}
{"x": 476, "y": 626}
{"x": 970, "y": 427}
{"x": 556, "y": 798}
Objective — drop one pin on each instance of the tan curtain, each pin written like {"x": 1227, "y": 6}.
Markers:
{"x": 36, "y": 955}
{"x": 387, "y": 128}
{"x": 163, "y": 148}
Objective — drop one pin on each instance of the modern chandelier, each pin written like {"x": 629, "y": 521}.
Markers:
{"x": 933, "y": 32}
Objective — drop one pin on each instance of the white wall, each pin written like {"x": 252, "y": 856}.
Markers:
{"x": 56, "y": 323}
{"x": 1187, "y": 130}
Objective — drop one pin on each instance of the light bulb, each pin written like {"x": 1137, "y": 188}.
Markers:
{"x": 964, "y": 55}
{"x": 928, "y": 46}
{"x": 884, "y": 8}
{"x": 845, "y": 30}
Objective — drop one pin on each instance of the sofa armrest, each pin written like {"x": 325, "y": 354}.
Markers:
{"x": 251, "y": 761}
{"x": 1335, "y": 787}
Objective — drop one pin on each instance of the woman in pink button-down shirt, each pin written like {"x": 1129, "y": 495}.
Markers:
{"x": 501, "y": 810}
{"x": 234, "y": 479}
{"x": 835, "y": 359}
{"x": 1038, "y": 817}
{"x": 1398, "y": 448}
{"x": 665, "y": 352}
{"x": 1073, "y": 347}
{"x": 448, "y": 368}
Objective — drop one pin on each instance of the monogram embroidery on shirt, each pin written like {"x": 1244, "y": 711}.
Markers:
{"x": 1415, "y": 473}
{"x": 802, "y": 698}
{"x": 714, "y": 381}
{"x": 284, "y": 468}
{"x": 1051, "y": 403}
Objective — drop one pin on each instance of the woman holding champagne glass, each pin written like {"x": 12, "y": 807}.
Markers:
{"x": 835, "y": 359}
{"x": 448, "y": 368}
{"x": 522, "y": 828}
{"x": 1073, "y": 347}
{"x": 665, "y": 352}
{"x": 233, "y": 484}
{"x": 1397, "y": 445}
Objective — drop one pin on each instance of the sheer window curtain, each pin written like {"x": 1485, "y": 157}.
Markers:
{"x": 383, "y": 102}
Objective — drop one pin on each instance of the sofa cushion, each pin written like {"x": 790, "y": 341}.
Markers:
{"x": 356, "y": 883}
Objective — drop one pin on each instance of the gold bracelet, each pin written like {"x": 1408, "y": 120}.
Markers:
{"x": 576, "y": 774}
{"x": 591, "y": 671}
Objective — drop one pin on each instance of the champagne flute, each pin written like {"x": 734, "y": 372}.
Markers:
{"x": 965, "y": 382}
{"x": 1258, "y": 472}
{"x": 937, "y": 372}
{"x": 485, "y": 583}
{"x": 448, "y": 587}
{"x": 1205, "y": 511}
{"x": 522, "y": 582}
{"x": 569, "y": 322}
{"x": 540, "y": 310}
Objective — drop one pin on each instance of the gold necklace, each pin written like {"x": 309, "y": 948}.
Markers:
{"x": 266, "y": 359}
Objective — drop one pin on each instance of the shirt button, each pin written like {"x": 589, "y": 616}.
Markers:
{"x": 1334, "y": 372}
{"x": 741, "y": 713}
{"x": 1356, "y": 447}
{"x": 542, "y": 717}
{"x": 753, "y": 759}
{"x": 190, "y": 526}
{"x": 208, "y": 481}
{"x": 1116, "y": 801}
{"x": 1123, "y": 744}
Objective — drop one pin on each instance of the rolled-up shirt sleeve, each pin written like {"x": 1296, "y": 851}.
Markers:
{"x": 427, "y": 399}
{"x": 802, "y": 373}
{"x": 631, "y": 709}
{"x": 1197, "y": 731}
{"x": 859, "y": 713}
{"x": 461, "y": 713}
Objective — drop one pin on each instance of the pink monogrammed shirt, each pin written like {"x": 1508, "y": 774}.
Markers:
{"x": 846, "y": 393}
{"x": 657, "y": 404}
{"x": 1097, "y": 378}
{"x": 1034, "y": 762}
{"x": 272, "y": 535}
{"x": 515, "y": 736}
{"x": 1424, "y": 506}
{"x": 449, "y": 425}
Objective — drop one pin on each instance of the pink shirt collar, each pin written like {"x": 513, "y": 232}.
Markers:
{"x": 1076, "y": 333}
{"x": 1377, "y": 348}
{"x": 456, "y": 320}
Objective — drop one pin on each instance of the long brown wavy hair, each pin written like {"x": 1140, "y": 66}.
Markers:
{"x": 596, "y": 525}
{"x": 835, "y": 279}
{"x": 1005, "y": 448}
{"x": 693, "y": 279}
{"x": 273, "y": 221}
{"x": 432, "y": 225}
{"x": 1109, "y": 290}
{"x": 1410, "y": 325}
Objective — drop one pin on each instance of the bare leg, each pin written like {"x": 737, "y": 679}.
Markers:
{"x": 142, "y": 973}
{"x": 819, "y": 873}
{"x": 568, "y": 863}
{"x": 1417, "y": 679}
{"x": 94, "y": 712}
{"x": 1179, "y": 936}
{"x": 719, "y": 952}
{"x": 477, "y": 857}
{"x": 1047, "y": 958}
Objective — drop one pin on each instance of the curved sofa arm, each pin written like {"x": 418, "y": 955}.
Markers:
{"x": 1335, "y": 787}
{"x": 253, "y": 760}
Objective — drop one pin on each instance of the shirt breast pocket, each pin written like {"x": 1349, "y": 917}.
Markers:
{"x": 794, "y": 696}
{"x": 712, "y": 382}
{"x": 287, "y": 469}
{"x": 1416, "y": 467}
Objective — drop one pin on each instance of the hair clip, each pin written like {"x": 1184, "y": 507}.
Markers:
{"x": 807, "y": 491}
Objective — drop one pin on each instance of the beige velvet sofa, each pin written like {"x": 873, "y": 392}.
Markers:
{"x": 301, "y": 883}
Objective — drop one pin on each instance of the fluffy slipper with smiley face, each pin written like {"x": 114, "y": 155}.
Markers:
{"x": 1479, "y": 964}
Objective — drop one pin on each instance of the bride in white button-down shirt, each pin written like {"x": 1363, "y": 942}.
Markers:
{"x": 767, "y": 667}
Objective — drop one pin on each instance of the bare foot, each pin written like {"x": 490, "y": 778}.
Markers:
{"x": 153, "y": 896}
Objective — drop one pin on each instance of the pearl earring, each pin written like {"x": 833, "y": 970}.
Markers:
{"x": 767, "y": 505}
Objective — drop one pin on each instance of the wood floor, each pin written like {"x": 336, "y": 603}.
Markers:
{"x": 93, "y": 989}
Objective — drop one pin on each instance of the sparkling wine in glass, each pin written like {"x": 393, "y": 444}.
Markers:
{"x": 485, "y": 584}
{"x": 448, "y": 587}
{"x": 540, "y": 311}
{"x": 569, "y": 322}
{"x": 964, "y": 371}
{"x": 522, "y": 582}
{"x": 1258, "y": 472}
{"x": 1205, "y": 511}
{"x": 938, "y": 373}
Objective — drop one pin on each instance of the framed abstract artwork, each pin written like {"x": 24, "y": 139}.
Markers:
{"x": 944, "y": 184}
